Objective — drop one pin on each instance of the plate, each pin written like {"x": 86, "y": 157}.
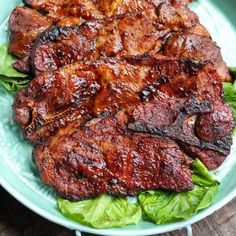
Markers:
{"x": 20, "y": 177}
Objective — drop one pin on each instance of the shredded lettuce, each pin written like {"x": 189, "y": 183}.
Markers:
{"x": 164, "y": 207}
{"x": 9, "y": 77}
{"x": 102, "y": 212}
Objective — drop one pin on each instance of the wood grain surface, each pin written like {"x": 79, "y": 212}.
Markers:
{"x": 17, "y": 220}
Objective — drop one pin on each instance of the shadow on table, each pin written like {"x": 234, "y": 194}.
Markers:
{"x": 17, "y": 220}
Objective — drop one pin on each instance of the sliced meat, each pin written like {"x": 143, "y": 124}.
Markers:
{"x": 57, "y": 10}
{"x": 22, "y": 65}
{"x": 102, "y": 157}
{"x": 211, "y": 126}
{"x": 217, "y": 125}
{"x": 199, "y": 29}
{"x": 90, "y": 10}
{"x": 102, "y": 86}
{"x": 212, "y": 159}
{"x": 25, "y": 25}
{"x": 197, "y": 47}
{"x": 90, "y": 89}
{"x": 178, "y": 122}
{"x": 108, "y": 155}
{"x": 116, "y": 37}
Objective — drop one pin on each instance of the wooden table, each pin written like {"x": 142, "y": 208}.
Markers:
{"x": 17, "y": 220}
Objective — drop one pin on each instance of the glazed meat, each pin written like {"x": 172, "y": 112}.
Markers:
{"x": 198, "y": 47}
{"x": 90, "y": 89}
{"x": 104, "y": 157}
{"x": 100, "y": 86}
{"x": 107, "y": 156}
{"x": 107, "y": 86}
{"x": 113, "y": 37}
{"x": 179, "y": 121}
{"x": 90, "y": 10}
{"x": 76, "y": 14}
{"x": 125, "y": 95}
{"x": 25, "y": 25}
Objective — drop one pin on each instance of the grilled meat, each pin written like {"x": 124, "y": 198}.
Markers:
{"x": 104, "y": 157}
{"x": 90, "y": 89}
{"x": 107, "y": 155}
{"x": 74, "y": 13}
{"x": 25, "y": 25}
{"x": 180, "y": 122}
{"x": 130, "y": 93}
{"x": 90, "y": 10}
{"x": 113, "y": 37}
{"x": 198, "y": 47}
{"x": 106, "y": 86}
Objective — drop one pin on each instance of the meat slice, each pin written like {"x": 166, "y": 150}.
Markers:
{"x": 70, "y": 17}
{"x": 179, "y": 122}
{"x": 85, "y": 88}
{"x": 25, "y": 25}
{"x": 108, "y": 155}
{"x": 92, "y": 88}
{"x": 90, "y": 10}
{"x": 57, "y": 10}
{"x": 197, "y": 47}
{"x": 103, "y": 157}
{"x": 22, "y": 65}
{"x": 206, "y": 134}
{"x": 113, "y": 37}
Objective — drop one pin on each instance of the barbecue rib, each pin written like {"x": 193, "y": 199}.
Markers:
{"x": 104, "y": 157}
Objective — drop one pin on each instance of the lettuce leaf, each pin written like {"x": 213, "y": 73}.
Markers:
{"x": 101, "y": 212}
{"x": 9, "y": 77}
{"x": 233, "y": 72}
{"x": 230, "y": 94}
{"x": 6, "y": 61}
{"x": 165, "y": 207}
{"x": 13, "y": 84}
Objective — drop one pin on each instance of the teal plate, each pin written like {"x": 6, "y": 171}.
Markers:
{"x": 19, "y": 176}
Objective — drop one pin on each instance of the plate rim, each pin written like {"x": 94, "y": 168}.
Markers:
{"x": 9, "y": 187}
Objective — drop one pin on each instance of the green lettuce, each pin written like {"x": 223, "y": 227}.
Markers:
{"x": 102, "y": 212}
{"x": 13, "y": 84}
{"x": 9, "y": 77}
{"x": 230, "y": 94}
{"x": 165, "y": 207}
